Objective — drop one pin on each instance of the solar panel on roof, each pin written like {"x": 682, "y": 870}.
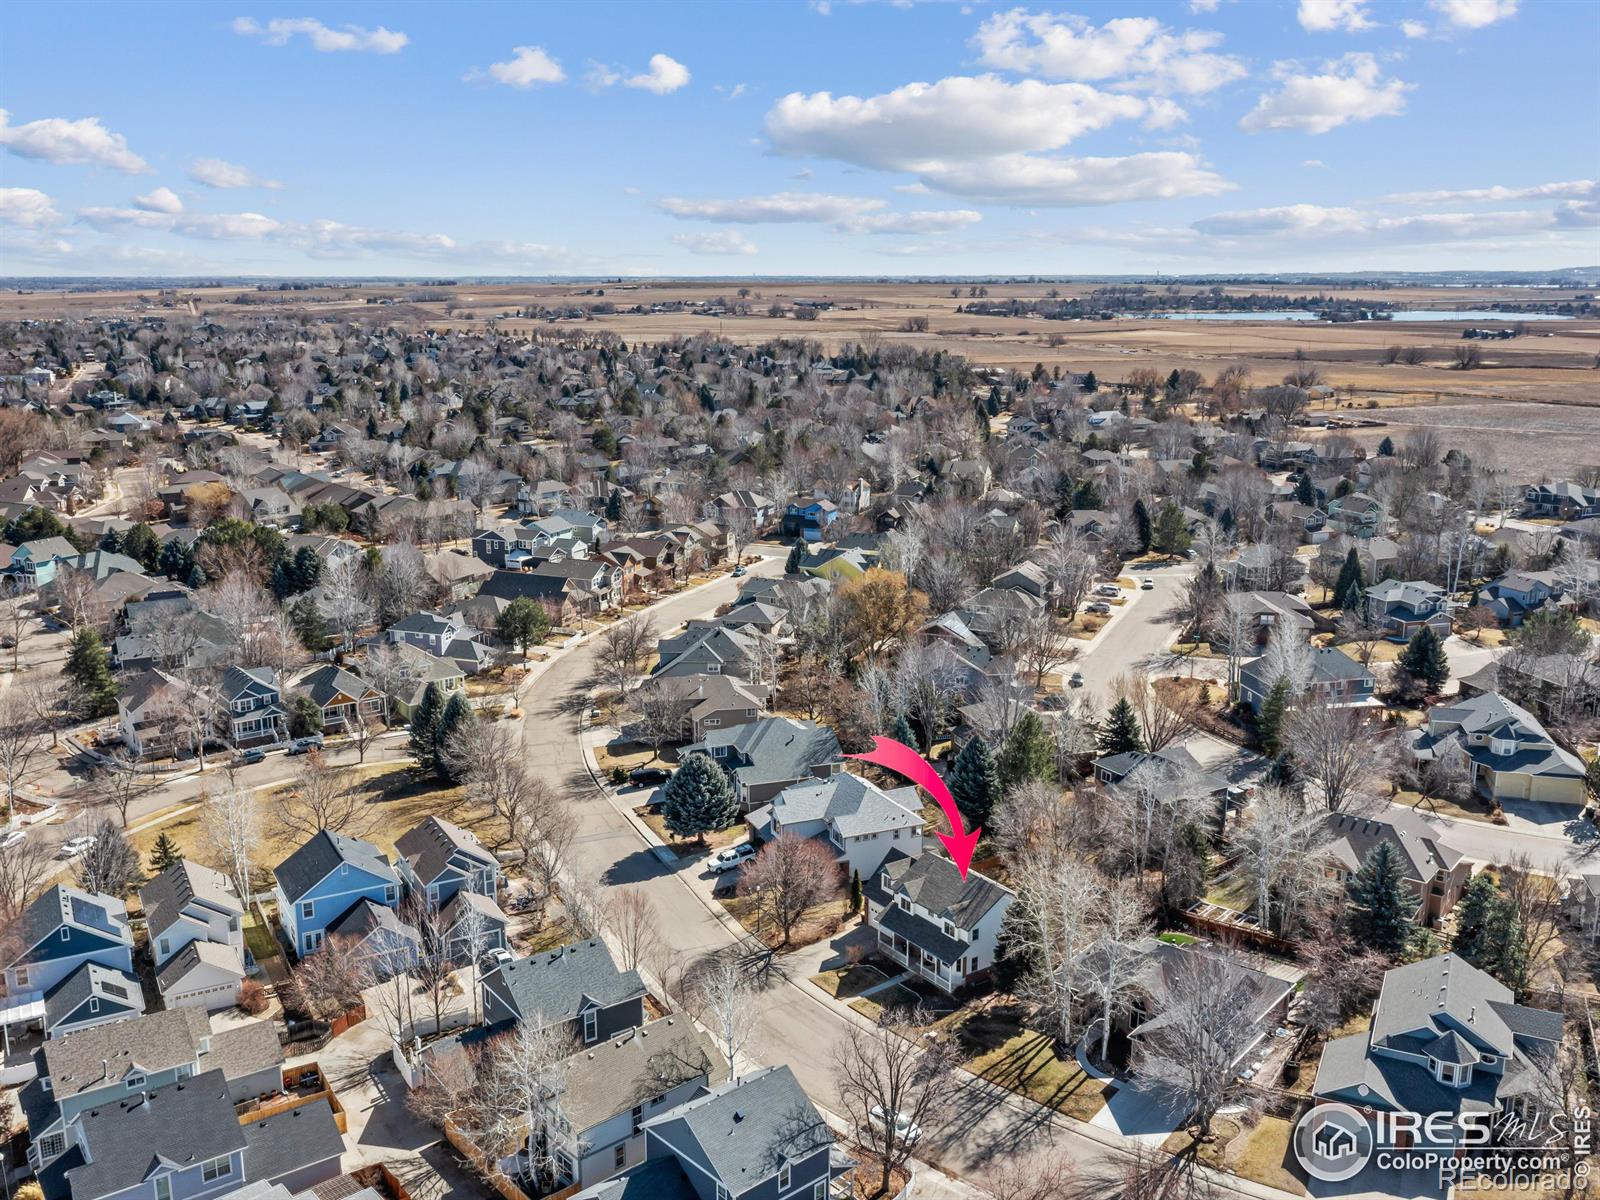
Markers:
{"x": 115, "y": 989}
{"x": 91, "y": 916}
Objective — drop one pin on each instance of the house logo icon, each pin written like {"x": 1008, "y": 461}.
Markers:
{"x": 1333, "y": 1142}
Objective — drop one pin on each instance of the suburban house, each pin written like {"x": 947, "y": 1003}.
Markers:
{"x": 252, "y": 705}
{"x": 1435, "y": 872}
{"x": 343, "y": 699}
{"x": 579, "y": 986}
{"x": 427, "y": 631}
{"x": 836, "y": 564}
{"x": 1260, "y": 999}
{"x": 1517, "y": 593}
{"x": 33, "y": 564}
{"x": 764, "y": 757}
{"x": 740, "y": 505}
{"x": 185, "y": 1141}
{"x": 57, "y": 933}
{"x": 196, "y": 928}
{"x": 1357, "y": 514}
{"x": 1445, "y": 1037}
{"x": 860, "y": 822}
{"x": 426, "y": 669}
{"x": 809, "y": 519}
{"x": 376, "y": 934}
{"x": 1161, "y": 769}
{"x": 92, "y": 995}
{"x": 155, "y": 711}
{"x": 100, "y": 1066}
{"x": 440, "y": 859}
{"x": 1569, "y": 501}
{"x": 757, "y": 1136}
{"x": 471, "y": 925}
{"x": 1513, "y": 757}
{"x": 718, "y": 701}
{"x": 711, "y": 648}
{"x": 1565, "y": 683}
{"x": 1336, "y": 680}
{"x": 932, "y": 921}
{"x": 1266, "y": 611}
{"x": 1402, "y": 607}
{"x": 323, "y": 880}
{"x": 610, "y": 1091}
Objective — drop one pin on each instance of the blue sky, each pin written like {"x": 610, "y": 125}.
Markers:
{"x": 774, "y": 137}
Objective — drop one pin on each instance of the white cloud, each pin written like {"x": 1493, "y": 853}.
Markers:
{"x": 729, "y": 93}
{"x": 81, "y": 142}
{"x": 1326, "y": 16}
{"x": 849, "y": 214}
{"x": 27, "y": 207}
{"x": 1577, "y": 189}
{"x": 162, "y": 200}
{"x": 1314, "y": 222}
{"x": 1164, "y": 114}
{"x": 1473, "y": 14}
{"x": 601, "y": 76}
{"x": 1136, "y": 53}
{"x": 278, "y": 31}
{"x": 666, "y": 74}
{"x": 913, "y": 222}
{"x": 1414, "y": 29}
{"x": 1314, "y": 163}
{"x": 1025, "y": 179}
{"x": 914, "y": 189}
{"x": 1203, "y": 6}
{"x": 1348, "y": 89}
{"x": 527, "y": 66}
{"x": 219, "y": 173}
{"x": 723, "y": 241}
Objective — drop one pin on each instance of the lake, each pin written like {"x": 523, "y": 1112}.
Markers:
{"x": 1298, "y": 314}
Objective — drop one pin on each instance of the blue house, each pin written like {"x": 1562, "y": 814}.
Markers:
{"x": 56, "y": 934}
{"x": 323, "y": 880}
{"x": 808, "y": 520}
{"x": 34, "y": 564}
{"x": 92, "y": 995}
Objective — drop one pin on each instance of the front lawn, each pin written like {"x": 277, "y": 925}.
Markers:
{"x": 817, "y": 922}
{"x": 1003, "y": 1051}
{"x": 845, "y": 983}
{"x": 1260, "y": 1152}
{"x": 897, "y": 997}
{"x": 715, "y": 840}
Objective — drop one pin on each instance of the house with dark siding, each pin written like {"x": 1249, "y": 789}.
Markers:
{"x": 579, "y": 986}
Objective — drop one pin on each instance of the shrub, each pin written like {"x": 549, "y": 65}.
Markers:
{"x": 252, "y": 997}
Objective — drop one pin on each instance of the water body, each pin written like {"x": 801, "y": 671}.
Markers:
{"x": 1412, "y": 314}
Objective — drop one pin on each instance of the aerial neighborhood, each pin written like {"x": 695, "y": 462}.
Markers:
{"x": 431, "y": 766}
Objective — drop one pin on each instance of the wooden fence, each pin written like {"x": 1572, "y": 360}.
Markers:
{"x": 503, "y": 1184}
{"x": 291, "y": 1100}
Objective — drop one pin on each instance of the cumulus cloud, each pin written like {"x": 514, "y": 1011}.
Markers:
{"x": 1026, "y": 179}
{"x": 27, "y": 207}
{"x": 1314, "y": 222}
{"x": 219, "y": 173}
{"x": 1414, "y": 29}
{"x": 278, "y": 31}
{"x": 666, "y": 74}
{"x": 1135, "y": 53}
{"x": 1348, "y": 89}
{"x": 161, "y": 200}
{"x": 850, "y": 214}
{"x": 1573, "y": 189}
{"x": 81, "y": 142}
{"x": 1473, "y": 14}
{"x": 527, "y": 66}
{"x": 722, "y": 241}
{"x": 913, "y": 222}
{"x": 1326, "y": 16}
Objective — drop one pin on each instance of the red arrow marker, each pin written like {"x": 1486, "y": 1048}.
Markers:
{"x": 903, "y": 760}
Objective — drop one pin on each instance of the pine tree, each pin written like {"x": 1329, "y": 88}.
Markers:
{"x": 1269, "y": 721}
{"x": 797, "y": 554}
{"x": 1380, "y": 903}
{"x": 1028, "y": 752}
{"x": 1121, "y": 733}
{"x": 1425, "y": 658}
{"x": 1305, "y": 491}
{"x": 698, "y": 799}
{"x": 855, "y": 891}
{"x": 1141, "y": 523}
{"x": 1171, "y": 534}
{"x": 1488, "y": 932}
{"x": 902, "y": 732}
{"x": 1472, "y": 918}
{"x": 448, "y": 765}
{"x": 425, "y": 727}
{"x": 974, "y": 782}
{"x": 1386, "y": 447}
{"x": 164, "y": 854}
{"x": 89, "y": 669}
{"x": 1350, "y": 576}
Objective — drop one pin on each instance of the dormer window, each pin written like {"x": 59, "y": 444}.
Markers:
{"x": 1452, "y": 1074}
{"x": 1504, "y": 747}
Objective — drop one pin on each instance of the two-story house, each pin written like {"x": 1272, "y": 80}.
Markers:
{"x": 578, "y": 986}
{"x": 92, "y": 995}
{"x": 1513, "y": 756}
{"x": 153, "y": 709}
{"x": 196, "y": 928}
{"x": 60, "y": 931}
{"x": 1357, "y": 514}
{"x": 1435, "y": 872}
{"x": 718, "y": 701}
{"x": 809, "y": 519}
{"x": 1567, "y": 500}
{"x": 427, "y": 631}
{"x": 1517, "y": 593}
{"x": 935, "y": 923}
{"x": 1336, "y": 680}
{"x": 1445, "y": 1037}
{"x": 740, "y": 505}
{"x": 710, "y": 648}
{"x": 859, "y": 821}
{"x": 758, "y": 1137}
{"x": 252, "y": 705}
{"x": 325, "y": 878}
{"x": 33, "y": 564}
{"x": 343, "y": 698}
{"x": 460, "y": 878}
{"x": 764, "y": 757}
{"x": 1401, "y": 607}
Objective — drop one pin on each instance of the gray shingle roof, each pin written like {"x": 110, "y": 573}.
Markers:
{"x": 428, "y": 847}
{"x": 61, "y": 905}
{"x": 93, "y": 1058}
{"x": 1355, "y": 838}
{"x": 611, "y": 1077}
{"x": 279, "y": 1144}
{"x": 558, "y": 984}
{"x": 850, "y": 804}
{"x": 197, "y": 953}
{"x": 166, "y": 896}
{"x": 319, "y": 857}
{"x": 91, "y": 979}
{"x": 775, "y": 749}
{"x": 932, "y": 881}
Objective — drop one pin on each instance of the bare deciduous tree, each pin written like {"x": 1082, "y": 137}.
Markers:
{"x": 789, "y": 876}
{"x": 229, "y": 833}
{"x": 22, "y": 742}
{"x": 1119, "y": 952}
{"x": 1339, "y": 748}
{"x": 1279, "y": 845}
{"x": 635, "y": 925}
{"x": 118, "y": 784}
{"x": 1165, "y": 716}
{"x": 319, "y": 799}
{"x": 895, "y": 1075}
{"x": 662, "y": 707}
{"x": 621, "y": 652}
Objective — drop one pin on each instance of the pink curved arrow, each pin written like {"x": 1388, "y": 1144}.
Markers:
{"x": 903, "y": 760}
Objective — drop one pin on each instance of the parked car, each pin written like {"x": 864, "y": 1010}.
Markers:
{"x": 1098, "y": 607}
{"x": 1075, "y": 679}
{"x": 648, "y": 776}
{"x": 499, "y": 955}
{"x": 732, "y": 857}
{"x": 73, "y": 847}
{"x": 246, "y": 758}
{"x": 12, "y": 838}
{"x": 906, "y": 1130}
{"x": 306, "y": 744}
{"x": 740, "y": 572}
{"x": 1108, "y": 589}
{"x": 1147, "y": 585}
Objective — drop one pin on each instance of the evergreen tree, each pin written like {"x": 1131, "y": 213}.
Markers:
{"x": 308, "y": 624}
{"x": 1171, "y": 534}
{"x": 305, "y": 718}
{"x": 1121, "y": 733}
{"x": 1086, "y": 496}
{"x": 1269, "y": 721}
{"x": 902, "y": 732}
{"x": 1425, "y": 658}
{"x": 1380, "y": 903}
{"x": 1386, "y": 447}
{"x": 447, "y": 764}
{"x": 1352, "y": 579}
{"x": 974, "y": 782}
{"x": 855, "y": 891}
{"x": 1472, "y": 918}
{"x": 797, "y": 554}
{"x": 164, "y": 854}
{"x": 524, "y": 622}
{"x": 89, "y": 669}
{"x": 1489, "y": 932}
{"x": 1090, "y": 383}
{"x": 425, "y": 726}
{"x": 1141, "y": 523}
{"x": 142, "y": 545}
{"x": 614, "y": 506}
{"x": 698, "y": 799}
{"x": 1028, "y": 752}
{"x": 1305, "y": 491}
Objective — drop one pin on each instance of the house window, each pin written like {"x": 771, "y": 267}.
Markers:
{"x": 591, "y": 1025}
{"x": 52, "y": 1146}
{"x": 66, "y": 934}
{"x": 166, "y": 947}
{"x": 722, "y": 1193}
{"x": 308, "y": 909}
{"x": 134, "y": 1082}
{"x": 94, "y": 1004}
{"x": 620, "y": 1158}
{"x": 783, "y": 1177}
{"x": 712, "y": 722}
{"x": 819, "y": 1190}
{"x": 21, "y": 976}
{"x": 388, "y": 894}
{"x": 1490, "y": 1060}
{"x": 638, "y": 1117}
{"x": 216, "y": 1168}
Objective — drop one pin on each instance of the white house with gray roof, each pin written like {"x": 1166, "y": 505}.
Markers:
{"x": 194, "y": 917}
{"x": 859, "y": 821}
{"x": 933, "y": 922}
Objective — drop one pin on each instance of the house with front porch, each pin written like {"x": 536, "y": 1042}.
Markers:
{"x": 932, "y": 921}
{"x": 1512, "y": 755}
{"x": 1401, "y": 607}
{"x": 252, "y": 705}
{"x": 343, "y": 698}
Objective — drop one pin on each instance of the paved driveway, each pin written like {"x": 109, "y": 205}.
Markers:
{"x": 1142, "y": 1112}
